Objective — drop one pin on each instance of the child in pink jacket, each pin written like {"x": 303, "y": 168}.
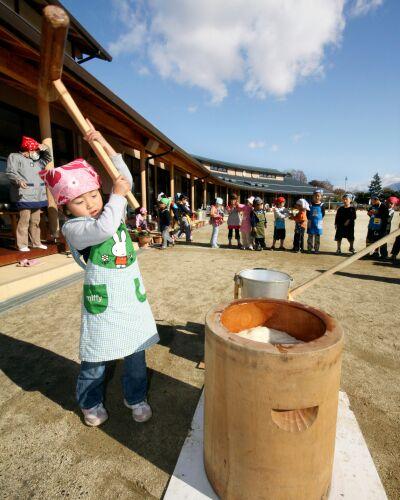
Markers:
{"x": 245, "y": 228}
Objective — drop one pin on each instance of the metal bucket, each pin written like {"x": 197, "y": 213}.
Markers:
{"x": 261, "y": 282}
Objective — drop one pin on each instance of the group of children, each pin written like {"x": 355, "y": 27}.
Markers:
{"x": 249, "y": 222}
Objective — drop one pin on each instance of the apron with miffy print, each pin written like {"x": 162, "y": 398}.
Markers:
{"x": 116, "y": 316}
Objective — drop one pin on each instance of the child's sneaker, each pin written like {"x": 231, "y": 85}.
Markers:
{"x": 141, "y": 412}
{"x": 95, "y": 416}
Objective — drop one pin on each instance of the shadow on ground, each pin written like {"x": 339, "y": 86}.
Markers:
{"x": 189, "y": 346}
{"x": 368, "y": 277}
{"x": 35, "y": 368}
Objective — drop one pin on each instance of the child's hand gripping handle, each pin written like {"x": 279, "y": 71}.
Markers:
{"x": 84, "y": 127}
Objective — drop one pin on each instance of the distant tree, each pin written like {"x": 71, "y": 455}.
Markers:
{"x": 362, "y": 197}
{"x": 299, "y": 175}
{"x": 375, "y": 186}
{"x": 326, "y": 185}
{"x": 338, "y": 192}
{"x": 386, "y": 192}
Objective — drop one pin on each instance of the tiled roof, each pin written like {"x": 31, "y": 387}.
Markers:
{"x": 287, "y": 186}
{"x": 219, "y": 163}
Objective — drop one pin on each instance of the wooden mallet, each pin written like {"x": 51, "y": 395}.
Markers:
{"x": 54, "y": 35}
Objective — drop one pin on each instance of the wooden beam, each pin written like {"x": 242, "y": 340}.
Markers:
{"x": 143, "y": 183}
{"x": 155, "y": 180}
{"x": 45, "y": 132}
{"x": 192, "y": 193}
{"x": 172, "y": 179}
{"x": 18, "y": 70}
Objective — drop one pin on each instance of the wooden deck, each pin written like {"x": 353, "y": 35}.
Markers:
{"x": 9, "y": 255}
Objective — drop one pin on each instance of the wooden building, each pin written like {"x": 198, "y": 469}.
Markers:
{"x": 246, "y": 180}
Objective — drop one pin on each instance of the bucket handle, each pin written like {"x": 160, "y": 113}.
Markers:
{"x": 237, "y": 284}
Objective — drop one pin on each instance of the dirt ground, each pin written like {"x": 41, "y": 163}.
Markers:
{"x": 46, "y": 451}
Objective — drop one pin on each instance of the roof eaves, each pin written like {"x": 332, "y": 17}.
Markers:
{"x": 238, "y": 166}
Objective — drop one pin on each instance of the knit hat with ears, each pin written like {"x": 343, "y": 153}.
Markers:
{"x": 71, "y": 180}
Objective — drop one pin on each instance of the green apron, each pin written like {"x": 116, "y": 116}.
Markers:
{"x": 260, "y": 225}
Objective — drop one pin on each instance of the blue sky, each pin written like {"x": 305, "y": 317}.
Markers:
{"x": 320, "y": 94}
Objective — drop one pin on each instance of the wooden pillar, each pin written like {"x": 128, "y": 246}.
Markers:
{"x": 45, "y": 132}
{"x": 192, "y": 193}
{"x": 227, "y": 195}
{"x": 143, "y": 184}
{"x": 172, "y": 179}
{"x": 205, "y": 194}
{"x": 155, "y": 181}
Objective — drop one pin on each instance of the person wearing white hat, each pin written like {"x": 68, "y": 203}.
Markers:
{"x": 216, "y": 219}
{"x": 300, "y": 220}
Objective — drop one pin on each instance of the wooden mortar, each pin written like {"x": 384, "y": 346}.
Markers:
{"x": 270, "y": 410}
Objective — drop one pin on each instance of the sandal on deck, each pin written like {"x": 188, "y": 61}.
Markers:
{"x": 28, "y": 263}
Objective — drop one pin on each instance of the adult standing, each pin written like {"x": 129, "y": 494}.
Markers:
{"x": 27, "y": 190}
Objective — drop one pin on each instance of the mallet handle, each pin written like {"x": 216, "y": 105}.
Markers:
{"x": 83, "y": 126}
{"x": 301, "y": 288}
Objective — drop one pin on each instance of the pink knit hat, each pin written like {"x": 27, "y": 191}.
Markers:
{"x": 71, "y": 180}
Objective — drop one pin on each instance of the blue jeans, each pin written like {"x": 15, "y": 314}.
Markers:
{"x": 184, "y": 228}
{"x": 214, "y": 236}
{"x": 90, "y": 385}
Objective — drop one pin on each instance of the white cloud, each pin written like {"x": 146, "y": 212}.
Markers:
{"x": 192, "y": 109}
{"x": 134, "y": 19}
{"x": 388, "y": 179}
{"x": 144, "y": 71}
{"x": 256, "y": 144}
{"x": 274, "y": 148}
{"x": 298, "y": 137}
{"x": 363, "y": 7}
{"x": 269, "y": 46}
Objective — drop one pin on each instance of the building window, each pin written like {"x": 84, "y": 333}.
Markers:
{"x": 63, "y": 145}
{"x": 15, "y": 123}
{"x": 268, "y": 176}
{"x": 218, "y": 169}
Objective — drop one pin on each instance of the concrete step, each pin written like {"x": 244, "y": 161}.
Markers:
{"x": 15, "y": 280}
